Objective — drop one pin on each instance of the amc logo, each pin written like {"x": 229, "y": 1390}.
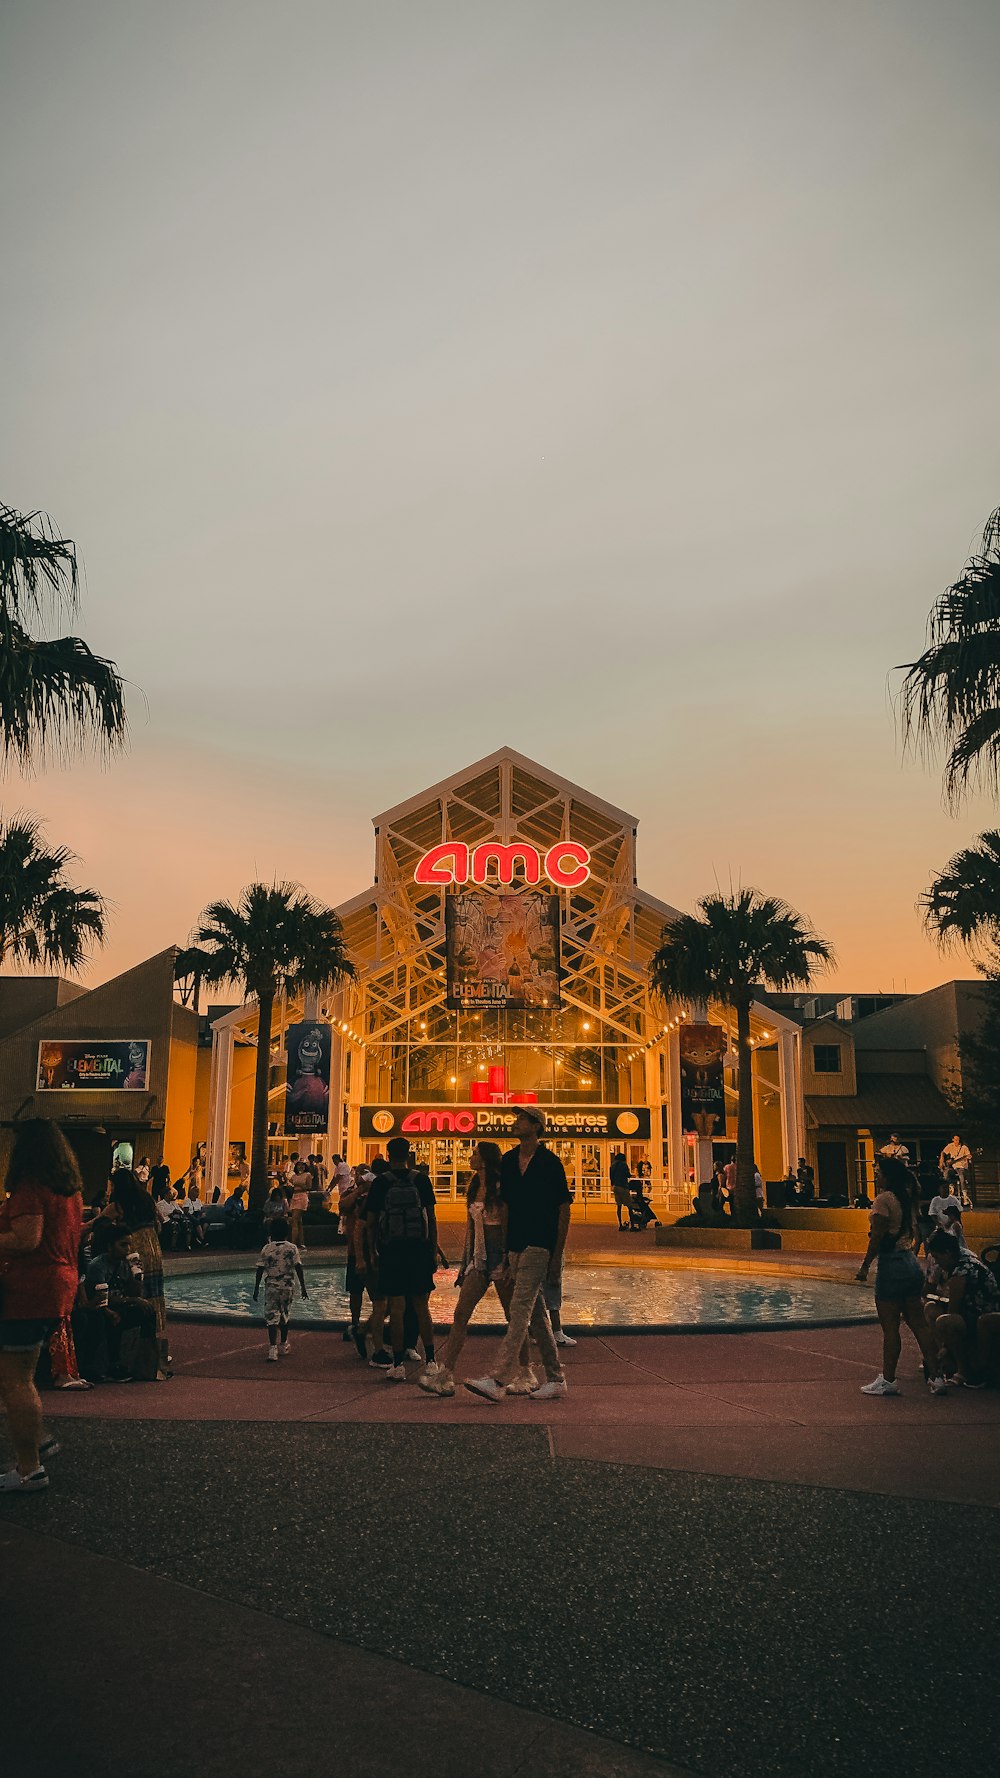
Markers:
{"x": 441, "y": 1123}
{"x": 566, "y": 864}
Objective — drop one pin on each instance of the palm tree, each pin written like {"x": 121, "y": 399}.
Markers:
{"x": 54, "y": 693}
{"x": 963, "y": 902}
{"x": 275, "y": 937}
{"x": 951, "y": 695}
{"x": 43, "y": 918}
{"x": 736, "y": 945}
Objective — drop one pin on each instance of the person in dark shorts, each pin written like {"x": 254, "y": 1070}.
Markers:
{"x": 899, "y": 1278}
{"x": 401, "y": 1229}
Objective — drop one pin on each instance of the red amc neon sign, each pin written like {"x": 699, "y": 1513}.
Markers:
{"x": 566, "y": 864}
{"x": 448, "y": 1123}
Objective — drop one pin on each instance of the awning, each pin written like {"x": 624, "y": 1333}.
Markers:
{"x": 882, "y": 1101}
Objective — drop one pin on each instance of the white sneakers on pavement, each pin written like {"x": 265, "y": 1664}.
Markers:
{"x": 549, "y": 1392}
{"x": 523, "y": 1384}
{"x": 487, "y": 1387}
{"x": 284, "y": 1348}
{"x": 272, "y": 1354}
{"x": 16, "y": 1483}
{"x": 434, "y": 1379}
{"x": 563, "y": 1339}
{"x": 881, "y": 1386}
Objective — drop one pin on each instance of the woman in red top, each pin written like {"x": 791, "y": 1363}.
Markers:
{"x": 39, "y": 1246}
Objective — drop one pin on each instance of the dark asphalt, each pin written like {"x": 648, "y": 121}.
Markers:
{"x": 736, "y": 1628}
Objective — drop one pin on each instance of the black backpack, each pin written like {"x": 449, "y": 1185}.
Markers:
{"x": 402, "y": 1217}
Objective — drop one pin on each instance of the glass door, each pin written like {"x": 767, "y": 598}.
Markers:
{"x": 590, "y": 1172}
{"x": 567, "y": 1154}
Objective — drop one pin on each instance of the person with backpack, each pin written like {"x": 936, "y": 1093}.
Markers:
{"x": 401, "y": 1229}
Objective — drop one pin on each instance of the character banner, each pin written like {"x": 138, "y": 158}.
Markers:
{"x": 703, "y": 1086}
{"x": 503, "y": 949}
{"x": 93, "y": 1065}
{"x": 307, "y": 1088}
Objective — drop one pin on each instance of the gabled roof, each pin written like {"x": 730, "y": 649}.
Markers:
{"x": 564, "y": 786}
{"x": 882, "y": 1101}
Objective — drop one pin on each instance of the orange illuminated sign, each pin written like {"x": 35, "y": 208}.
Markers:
{"x": 566, "y": 864}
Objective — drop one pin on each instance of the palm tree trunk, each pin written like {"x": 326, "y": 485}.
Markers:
{"x": 262, "y": 1081}
{"x": 746, "y": 1196}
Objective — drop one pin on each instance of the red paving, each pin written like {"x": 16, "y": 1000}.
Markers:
{"x": 774, "y": 1406}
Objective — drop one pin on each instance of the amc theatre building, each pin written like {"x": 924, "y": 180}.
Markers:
{"x": 502, "y": 956}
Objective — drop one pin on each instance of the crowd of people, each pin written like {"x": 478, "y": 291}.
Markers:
{"x": 517, "y": 1218}
{"x": 81, "y": 1287}
{"x": 927, "y": 1277}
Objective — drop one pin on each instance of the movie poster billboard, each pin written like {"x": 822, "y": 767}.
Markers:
{"x": 503, "y": 948}
{"x": 307, "y": 1084}
{"x": 93, "y": 1065}
{"x": 703, "y": 1086}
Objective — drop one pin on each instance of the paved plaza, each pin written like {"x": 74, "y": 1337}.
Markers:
{"x": 714, "y": 1557}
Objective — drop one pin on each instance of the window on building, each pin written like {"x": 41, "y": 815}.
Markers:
{"x": 826, "y": 1058}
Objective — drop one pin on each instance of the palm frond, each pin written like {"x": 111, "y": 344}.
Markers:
{"x": 952, "y": 691}
{"x": 37, "y": 567}
{"x": 962, "y": 904}
{"x": 44, "y": 919}
{"x": 737, "y": 944}
{"x": 55, "y": 695}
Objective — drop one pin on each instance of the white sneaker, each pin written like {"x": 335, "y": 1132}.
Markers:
{"x": 284, "y": 1348}
{"x": 16, "y": 1483}
{"x": 272, "y": 1354}
{"x": 563, "y": 1339}
{"x": 396, "y": 1373}
{"x": 525, "y": 1383}
{"x": 434, "y": 1379}
{"x": 881, "y": 1386}
{"x": 413, "y": 1356}
{"x": 487, "y": 1387}
{"x": 549, "y": 1392}
{"x": 937, "y": 1385}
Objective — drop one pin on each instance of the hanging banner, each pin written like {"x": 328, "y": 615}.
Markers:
{"x": 93, "y": 1065}
{"x": 502, "y": 950}
{"x": 307, "y": 1088}
{"x": 703, "y": 1086}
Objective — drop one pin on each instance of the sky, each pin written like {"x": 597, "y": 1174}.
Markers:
{"x": 616, "y": 381}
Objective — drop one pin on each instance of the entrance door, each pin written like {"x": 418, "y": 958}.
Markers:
{"x": 93, "y": 1154}
{"x": 831, "y": 1160}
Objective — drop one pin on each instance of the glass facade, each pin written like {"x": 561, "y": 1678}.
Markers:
{"x": 443, "y": 1057}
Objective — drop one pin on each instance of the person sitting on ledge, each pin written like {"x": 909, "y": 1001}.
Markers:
{"x": 113, "y": 1291}
{"x": 968, "y": 1323}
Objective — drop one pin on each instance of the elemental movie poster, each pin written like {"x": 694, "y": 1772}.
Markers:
{"x": 503, "y": 949}
{"x": 307, "y": 1089}
{"x": 703, "y": 1086}
{"x": 93, "y": 1065}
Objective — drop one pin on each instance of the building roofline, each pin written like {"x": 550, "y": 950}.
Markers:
{"x": 621, "y": 817}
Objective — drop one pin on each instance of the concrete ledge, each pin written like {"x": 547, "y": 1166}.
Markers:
{"x": 745, "y": 1240}
{"x": 739, "y": 1240}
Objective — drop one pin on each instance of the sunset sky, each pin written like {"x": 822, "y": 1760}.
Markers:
{"x": 612, "y": 380}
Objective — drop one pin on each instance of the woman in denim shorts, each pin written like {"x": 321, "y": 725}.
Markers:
{"x": 899, "y": 1277}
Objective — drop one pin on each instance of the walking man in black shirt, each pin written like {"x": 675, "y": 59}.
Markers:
{"x": 536, "y": 1206}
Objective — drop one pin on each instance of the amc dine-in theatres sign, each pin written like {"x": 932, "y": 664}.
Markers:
{"x": 566, "y": 864}
{"x": 497, "y": 1121}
